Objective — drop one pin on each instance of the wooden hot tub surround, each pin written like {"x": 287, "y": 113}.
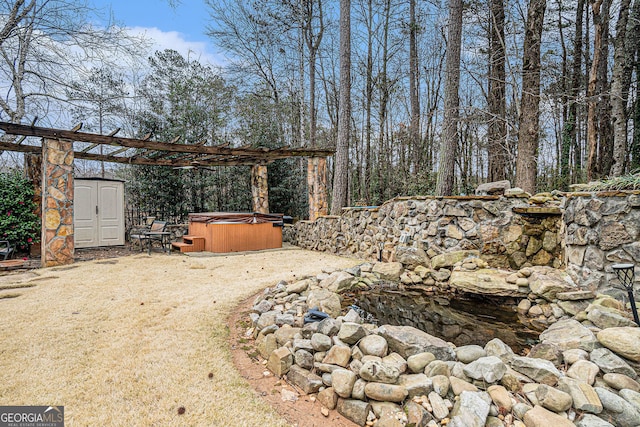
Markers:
{"x": 222, "y": 232}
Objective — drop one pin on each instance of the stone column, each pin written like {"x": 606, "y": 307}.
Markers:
{"x": 57, "y": 202}
{"x": 33, "y": 169}
{"x": 317, "y": 184}
{"x": 260, "y": 188}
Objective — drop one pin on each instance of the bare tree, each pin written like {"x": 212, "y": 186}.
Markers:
{"x": 528, "y": 132}
{"x": 43, "y": 45}
{"x": 414, "y": 85}
{"x": 340, "y": 176}
{"x": 14, "y": 14}
{"x": 446, "y": 174}
{"x": 592, "y": 129}
{"x": 497, "y": 132}
{"x": 620, "y": 82}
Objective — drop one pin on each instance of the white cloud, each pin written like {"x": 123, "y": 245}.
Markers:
{"x": 196, "y": 50}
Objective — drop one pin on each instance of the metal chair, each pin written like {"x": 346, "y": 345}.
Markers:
{"x": 5, "y": 249}
{"x": 146, "y": 236}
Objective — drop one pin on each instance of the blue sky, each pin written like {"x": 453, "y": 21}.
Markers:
{"x": 182, "y": 27}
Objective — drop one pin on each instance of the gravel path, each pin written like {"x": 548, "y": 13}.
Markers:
{"x": 129, "y": 341}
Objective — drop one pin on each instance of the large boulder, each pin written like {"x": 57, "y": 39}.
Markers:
{"x": 342, "y": 381}
{"x": 489, "y": 369}
{"x": 351, "y": 333}
{"x": 326, "y": 301}
{"x": 623, "y": 413}
{"x": 609, "y": 362}
{"x": 374, "y": 345}
{"x": 354, "y": 410}
{"x": 584, "y": 396}
{"x": 386, "y": 392}
{"x": 337, "y": 281}
{"x": 485, "y": 282}
{"x": 411, "y": 256}
{"x": 624, "y": 341}
{"x": 388, "y": 270}
{"x": 470, "y": 410}
{"x": 448, "y": 259}
{"x": 569, "y": 334}
{"x": 304, "y": 379}
{"x": 547, "y": 282}
{"x": 540, "y": 370}
{"x": 540, "y": 417}
{"x": 378, "y": 371}
{"x": 605, "y": 317}
{"x": 495, "y": 188}
{"x": 407, "y": 341}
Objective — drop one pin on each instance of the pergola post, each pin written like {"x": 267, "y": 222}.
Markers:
{"x": 57, "y": 202}
{"x": 260, "y": 188}
{"x": 33, "y": 169}
{"x": 317, "y": 184}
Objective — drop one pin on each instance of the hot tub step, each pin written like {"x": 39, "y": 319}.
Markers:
{"x": 190, "y": 244}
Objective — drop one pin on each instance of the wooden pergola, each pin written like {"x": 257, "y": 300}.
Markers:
{"x": 52, "y": 159}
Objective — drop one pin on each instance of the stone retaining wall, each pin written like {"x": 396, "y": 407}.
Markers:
{"x": 507, "y": 231}
{"x": 601, "y": 229}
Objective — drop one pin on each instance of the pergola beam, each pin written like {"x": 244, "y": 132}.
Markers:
{"x": 262, "y": 153}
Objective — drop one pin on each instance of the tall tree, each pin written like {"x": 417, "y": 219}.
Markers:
{"x": 41, "y": 46}
{"x": 497, "y": 132}
{"x": 622, "y": 67}
{"x": 569, "y": 132}
{"x": 340, "y": 176}
{"x": 99, "y": 102}
{"x": 592, "y": 122}
{"x": 446, "y": 173}
{"x": 313, "y": 30}
{"x": 529, "y": 130}
{"x": 414, "y": 85}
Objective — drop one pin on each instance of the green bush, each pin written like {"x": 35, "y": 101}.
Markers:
{"x": 18, "y": 222}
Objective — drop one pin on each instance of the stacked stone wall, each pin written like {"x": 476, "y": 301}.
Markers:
{"x": 507, "y": 231}
{"x": 601, "y": 229}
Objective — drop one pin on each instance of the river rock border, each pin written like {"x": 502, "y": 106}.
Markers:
{"x": 583, "y": 372}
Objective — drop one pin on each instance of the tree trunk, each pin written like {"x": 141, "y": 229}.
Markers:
{"x": 603, "y": 90}
{"x": 384, "y": 102}
{"x": 446, "y": 175}
{"x": 527, "y": 160}
{"x": 366, "y": 191}
{"x": 592, "y": 131}
{"x": 414, "y": 85}
{"x": 620, "y": 89}
{"x": 497, "y": 132}
{"x": 635, "y": 48}
{"x": 340, "y": 177}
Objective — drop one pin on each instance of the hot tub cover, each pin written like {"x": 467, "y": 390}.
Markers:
{"x": 236, "y": 218}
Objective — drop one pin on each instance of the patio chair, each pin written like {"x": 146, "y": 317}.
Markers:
{"x": 5, "y": 249}
{"x": 146, "y": 236}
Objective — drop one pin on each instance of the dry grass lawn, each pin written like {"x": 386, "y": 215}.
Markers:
{"x": 128, "y": 341}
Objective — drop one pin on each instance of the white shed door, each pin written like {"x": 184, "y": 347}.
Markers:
{"x": 98, "y": 213}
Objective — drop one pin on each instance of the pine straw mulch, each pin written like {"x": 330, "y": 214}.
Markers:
{"x": 142, "y": 340}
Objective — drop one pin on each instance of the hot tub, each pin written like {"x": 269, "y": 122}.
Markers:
{"x": 237, "y": 231}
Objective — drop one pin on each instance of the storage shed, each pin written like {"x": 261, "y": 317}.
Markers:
{"x": 98, "y": 212}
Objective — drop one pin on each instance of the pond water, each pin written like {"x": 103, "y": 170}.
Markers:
{"x": 461, "y": 319}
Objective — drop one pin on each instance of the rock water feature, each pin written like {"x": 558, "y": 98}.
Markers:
{"x": 583, "y": 371}
{"x": 464, "y": 319}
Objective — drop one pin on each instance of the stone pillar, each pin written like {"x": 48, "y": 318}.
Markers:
{"x": 260, "y": 188}
{"x": 33, "y": 169}
{"x": 317, "y": 184}
{"x": 57, "y": 202}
